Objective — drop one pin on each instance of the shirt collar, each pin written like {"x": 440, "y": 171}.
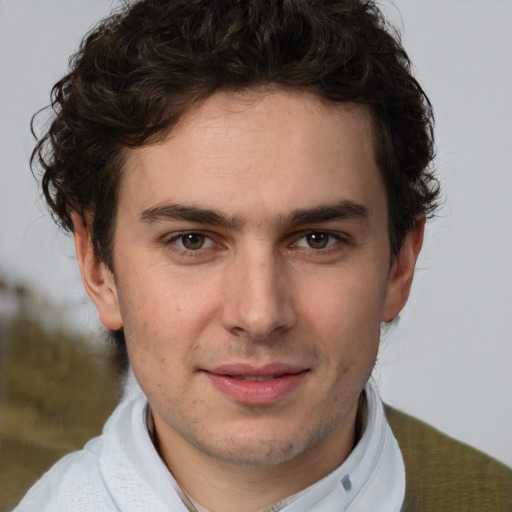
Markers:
{"x": 371, "y": 478}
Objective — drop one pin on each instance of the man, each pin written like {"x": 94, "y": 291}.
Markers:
{"x": 247, "y": 184}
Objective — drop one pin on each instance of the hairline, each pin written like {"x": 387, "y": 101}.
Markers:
{"x": 249, "y": 94}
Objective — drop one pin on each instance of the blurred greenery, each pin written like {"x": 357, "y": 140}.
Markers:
{"x": 56, "y": 389}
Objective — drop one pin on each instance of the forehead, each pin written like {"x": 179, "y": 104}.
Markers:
{"x": 263, "y": 152}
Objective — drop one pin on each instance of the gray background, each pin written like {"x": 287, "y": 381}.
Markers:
{"x": 449, "y": 359}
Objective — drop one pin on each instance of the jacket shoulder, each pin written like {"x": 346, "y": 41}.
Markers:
{"x": 443, "y": 474}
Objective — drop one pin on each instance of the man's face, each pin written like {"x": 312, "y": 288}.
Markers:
{"x": 252, "y": 266}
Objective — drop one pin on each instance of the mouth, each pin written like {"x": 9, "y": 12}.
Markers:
{"x": 256, "y": 385}
{"x": 254, "y": 379}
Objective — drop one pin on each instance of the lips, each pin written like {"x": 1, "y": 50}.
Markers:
{"x": 255, "y": 379}
{"x": 256, "y": 385}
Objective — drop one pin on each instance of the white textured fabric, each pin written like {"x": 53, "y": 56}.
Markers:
{"x": 372, "y": 478}
{"x": 121, "y": 471}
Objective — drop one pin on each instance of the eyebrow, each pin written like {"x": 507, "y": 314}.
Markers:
{"x": 190, "y": 213}
{"x": 344, "y": 210}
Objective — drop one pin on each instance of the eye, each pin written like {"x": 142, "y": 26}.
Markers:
{"x": 192, "y": 241}
{"x": 317, "y": 240}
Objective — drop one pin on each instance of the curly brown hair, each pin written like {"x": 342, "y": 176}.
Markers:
{"x": 139, "y": 71}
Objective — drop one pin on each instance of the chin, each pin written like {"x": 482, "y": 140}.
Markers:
{"x": 259, "y": 447}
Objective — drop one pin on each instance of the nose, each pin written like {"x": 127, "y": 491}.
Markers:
{"x": 258, "y": 296}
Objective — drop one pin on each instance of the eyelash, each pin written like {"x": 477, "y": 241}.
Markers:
{"x": 333, "y": 240}
{"x": 336, "y": 238}
{"x": 180, "y": 236}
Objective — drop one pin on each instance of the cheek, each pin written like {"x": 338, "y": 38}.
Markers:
{"x": 163, "y": 315}
{"x": 346, "y": 317}
{"x": 351, "y": 299}
{"x": 161, "y": 297}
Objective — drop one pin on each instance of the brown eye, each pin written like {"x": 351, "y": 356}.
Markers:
{"x": 317, "y": 240}
{"x": 192, "y": 241}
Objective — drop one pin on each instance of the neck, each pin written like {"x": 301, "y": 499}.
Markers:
{"x": 218, "y": 485}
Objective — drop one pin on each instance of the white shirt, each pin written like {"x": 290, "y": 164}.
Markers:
{"x": 122, "y": 471}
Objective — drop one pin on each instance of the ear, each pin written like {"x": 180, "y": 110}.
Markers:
{"x": 98, "y": 280}
{"x": 402, "y": 271}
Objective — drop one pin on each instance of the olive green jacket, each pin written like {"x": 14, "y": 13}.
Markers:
{"x": 445, "y": 475}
